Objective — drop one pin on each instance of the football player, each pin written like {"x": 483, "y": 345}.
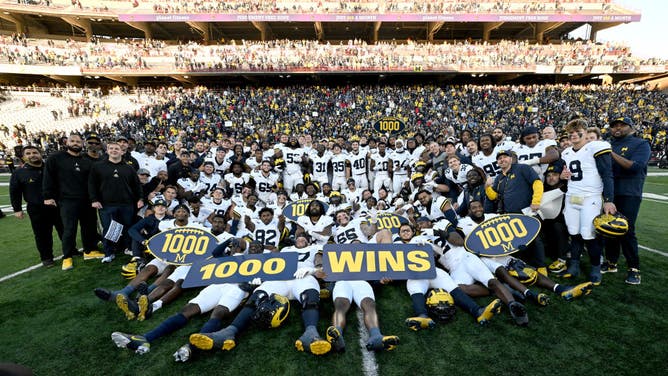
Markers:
{"x": 221, "y": 299}
{"x": 236, "y": 179}
{"x": 208, "y": 177}
{"x": 339, "y": 170}
{"x": 590, "y": 187}
{"x": 293, "y": 156}
{"x": 399, "y": 158}
{"x": 267, "y": 230}
{"x": 304, "y": 288}
{"x": 513, "y": 271}
{"x": 441, "y": 291}
{"x": 486, "y": 157}
{"x": 266, "y": 181}
{"x": 357, "y": 162}
{"x": 320, "y": 159}
{"x": 315, "y": 223}
{"x": 535, "y": 152}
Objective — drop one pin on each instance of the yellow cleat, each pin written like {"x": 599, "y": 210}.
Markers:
{"x": 313, "y": 344}
{"x": 222, "y": 339}
{"x": 67, "y": 264}
{"x": 580, "y": 290}
{"x": 493, "y": 308}
{"x": 417, "y": 323}
{"x": 93, "y": 255}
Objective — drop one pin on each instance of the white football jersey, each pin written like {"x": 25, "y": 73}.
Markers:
{"x": 220, "y": 208}
{"x": 350, "y": 232}
{"x": 460, "y": 177}
{"x": 382, "y": 163}
{"x": 191, "y": 186}
{"x": 437, "y": 208}
{"x": 357, "y": 163}
{"x": 293, "y": 159}
{"x": 210, "y": 182}
{"x": 467, "y": 225}
{"x": 320, "y": 166}
{"x": 236, "y": 183}
{"x": 585, "y": 179}
{"x": 487, "y": 163}
{"x": 267, "y": 234}
{"x": 339, "y": 165}
{"x": 311, "y": 228}
{"x": 306, "y": 255}
{"x": 170, "y": 224}
{"x": 525, "y": 153}
{"x": 219, "y": 167}
{"x": 264, "y": 185}
{"x": 401, "y": 162}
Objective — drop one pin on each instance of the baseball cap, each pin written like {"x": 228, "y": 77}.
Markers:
{"x": 529, "y": 130}
{"x": 509, "y": 153}
{"x": 423, "y": 219}
{"x": 121, "y": 138}
{"x": 93, "y": 136}
{"x": 149, "y": 142}
{"x": 556, "y": 166}
{"x": 625, "y": 120}
{"x": 159, "y": 201}
{"x": 143, "y": 171}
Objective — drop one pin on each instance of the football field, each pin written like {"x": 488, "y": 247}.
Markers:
{"x": 52, "y": 323}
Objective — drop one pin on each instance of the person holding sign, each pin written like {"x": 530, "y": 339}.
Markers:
{"x": 513, "y": 271}
{"x": 304, "y": 288}
{"x": 435, "y": 297}
{"x": 221, "y": 299}
{"x": 267, "y": 230}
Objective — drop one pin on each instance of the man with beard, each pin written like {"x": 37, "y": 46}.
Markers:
{"x": 474, "y": 191}
{"x": 293, "y": 156}
{"x": 315, "y": 223}
{"x": 486, "y": 158}
{"x": 500, "y": 139}
{"x": 27, "y": 182}
{"x": 93, "y": 147}
{"x": 534, "y": 152}
{"x": 319, "y": 160}
{"x": 65, "y": 185}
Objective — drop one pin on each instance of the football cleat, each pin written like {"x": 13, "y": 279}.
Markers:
{"x": 67, "y": 264}
{"x": 519, "y": 313}
{"x": 93, "y": 255}
{"x": 309, "y": 342}
{"x": 572, "y": 271}
{"x": 539, "y": 299}
{"x": 103, "y": 294}
{"x": 577, "y": 291}
{"x": 416, "y": 323}
{"x": 183, "y": 354}
{"x": 608, "y": 267}
{"x": 595, "y": 275}
{"x": 222, "y": 339}
{"x": 381, "y": 343}
{"x": 335, "y": 337}
{"x": 486, "y": 313}
{"x": 130, "y": 341}
{"x": 558, "y": 266}
{"x": 542, "y": 270}
{"x": 128, "y": 306}
{"x": 633, "y": 277}
{"x": 145, "y": 308}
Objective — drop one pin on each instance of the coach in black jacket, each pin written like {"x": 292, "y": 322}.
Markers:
{"x": 26, "y": 182}
{"x": 115, "y": 190}
{"x": 66, "y": 185}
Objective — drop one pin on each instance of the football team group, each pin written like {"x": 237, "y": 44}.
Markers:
{"x": 585, "y": 191}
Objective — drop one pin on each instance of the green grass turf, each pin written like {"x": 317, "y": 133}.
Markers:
{"x": 52, "y": 323}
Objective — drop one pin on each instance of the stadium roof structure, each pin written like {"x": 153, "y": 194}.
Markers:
{"x": 114, "y": 20}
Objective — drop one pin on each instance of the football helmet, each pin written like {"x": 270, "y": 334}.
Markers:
{"x": 611, "y": 224}
{"x": 272, "y": 311}
{"x": 524, "y": 273}
{"x": 440, "y": 305}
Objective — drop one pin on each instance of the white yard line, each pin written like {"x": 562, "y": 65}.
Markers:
{"x": 10, "y": 276}
{"x": 653, "y": 250}
{"x": 369, "y": 364}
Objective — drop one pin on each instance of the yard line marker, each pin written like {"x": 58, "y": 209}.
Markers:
{"x": 369, "y": 364}
{"x": 653, "y": 250}
{"x": 10, "y": 276}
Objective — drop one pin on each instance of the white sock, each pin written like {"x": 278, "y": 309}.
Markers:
{"x": 157, "y": 305}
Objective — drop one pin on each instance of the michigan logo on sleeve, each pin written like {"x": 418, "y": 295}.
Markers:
{"x": 182, "y": 245}
{"x": 370, "y": 262}
{"x": 502, "y": 235}
{"x": 245, "y": 268}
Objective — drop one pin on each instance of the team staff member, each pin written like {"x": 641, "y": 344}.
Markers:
{"x": 65, "y": 185}
{"x": 26, "y": 182}
{"x": 630, "y": 156}
{"x": 115, "y": 190}
{"x": 516, "y": 188}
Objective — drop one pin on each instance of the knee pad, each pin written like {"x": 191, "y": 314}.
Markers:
{"x": 310, "y": 299}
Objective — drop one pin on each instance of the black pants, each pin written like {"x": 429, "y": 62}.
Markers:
{"x": 629, "y": 206}
{"x": 43, "y": 219}
{"x": 555, "y": 238}
{"x": 73, "y": 212}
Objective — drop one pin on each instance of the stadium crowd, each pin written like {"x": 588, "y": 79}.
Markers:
{"x": 278, "y": 6}
{"x": 232, "y": 161}
{"x": 289, "y": 55}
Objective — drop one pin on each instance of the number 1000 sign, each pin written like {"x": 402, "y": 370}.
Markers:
{"x": 186, "y": 244}
{"x": 503, "y": 232}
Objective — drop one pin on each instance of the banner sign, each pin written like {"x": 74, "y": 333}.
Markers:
{"x": 297, "y": 208}
{"x": 390, "y": 222}
{"x": 273, "y": 266}
{"x": 502, "y": 235}
{"x": 389, "y": 125}
{"x": 370, "y": 262}
{"x": 182, "y": 245}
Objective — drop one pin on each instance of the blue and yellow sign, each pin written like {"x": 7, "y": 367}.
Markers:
{"x": 389, "y": 221}
{"x": 235, "y": 269}
{"x": 370, "y": 262}
{"x": 390, "y": 125}
{"x": 297, "y": 208}
{"x": 182, "y": 245}
{"x": 502, "y": 235}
